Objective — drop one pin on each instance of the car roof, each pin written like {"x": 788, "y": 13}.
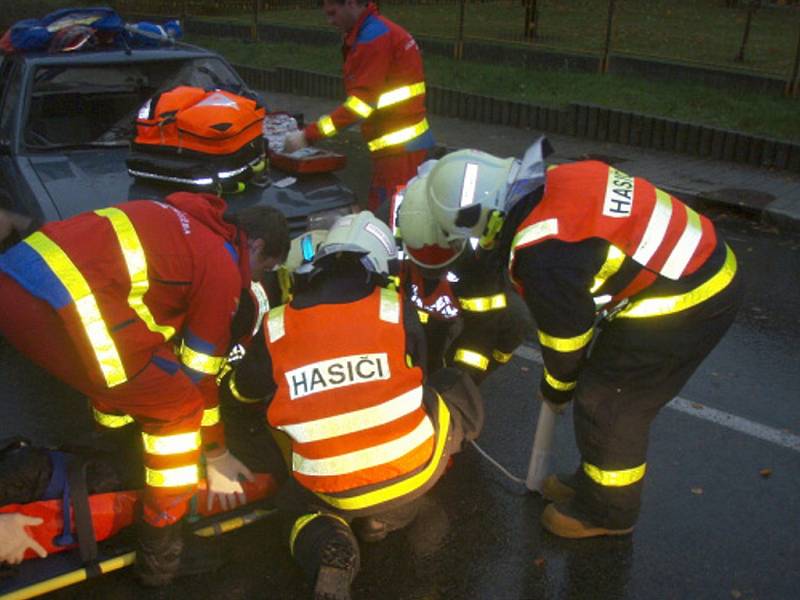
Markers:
{"x": 115, "y": 55}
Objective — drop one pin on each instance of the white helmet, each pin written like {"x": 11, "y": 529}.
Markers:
{"x": 424, "y": 242}
{"x": 363, "y": 234}
{"x": 464, "y": 188}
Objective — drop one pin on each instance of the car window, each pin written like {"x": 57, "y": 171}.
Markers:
{"x": 9, "y": 98}
{"x": 96, "y": 105}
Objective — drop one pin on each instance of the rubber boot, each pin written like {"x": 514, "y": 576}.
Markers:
{"x": 564, "y": 521}
{"x": 163, "y": 554}
{"x": 327, "y": 551}
{"x": 559, "y": 487}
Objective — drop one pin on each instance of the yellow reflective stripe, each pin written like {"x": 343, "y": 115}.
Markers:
{"x": 614, "y": 260}
{"x": 357, "y": 420}
{"x": 202, "y": 363}
{"x": 401, "y": 94}
{"x": 423, "y": 316}
{"x": 111, "y": 421}
{"x": 483, "y": 304}
{"x": 358, "y": 106}
{"x": 502, "y": 357}
{"x": 565, "y": 344}
{"x": 136, "y": 262}
{"x": 656, "y": 228}
{"x": 89, "y": 313}
{"x": 614, "y": 478}
{"x": 165, "y": 445}
{"x": 390, "y": 306}
{"x": 685, "y": 248}
{"x": 176, "y": 477}
{"x": 238, "y": 395}
{"x": 530, "y": 234}
{"x": 304, "y": 520}
{"x": 365, "y": 458}
{"x": 326, "y": 126}
{"x": 654, "y": 307}
{"x": 399, "y": 137}
{"x": 406, "y": 486}
{"x": 561, "y": 386}
{"x": 211, "y": 417}
{"x": 472, "y": 359}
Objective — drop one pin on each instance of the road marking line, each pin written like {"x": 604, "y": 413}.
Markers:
{"x": 695, "y": 409}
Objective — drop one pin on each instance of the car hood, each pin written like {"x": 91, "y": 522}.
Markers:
{"x": 82, "y": 180}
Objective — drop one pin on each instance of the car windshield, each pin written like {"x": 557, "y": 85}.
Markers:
{"x": 96, "y": 105}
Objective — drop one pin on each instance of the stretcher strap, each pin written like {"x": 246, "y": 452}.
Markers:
{"x": 87, "y": 542}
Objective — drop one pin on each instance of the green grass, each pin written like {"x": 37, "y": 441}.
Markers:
{"x": 695, "y": 31}
{"x": 771, "y": 116}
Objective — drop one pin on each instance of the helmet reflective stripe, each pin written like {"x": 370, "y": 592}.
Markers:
{"x": 468, "y": 186}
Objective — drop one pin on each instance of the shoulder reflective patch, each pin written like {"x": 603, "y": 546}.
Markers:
{"x": 275, "y": 324}
{"x": 338, "y": 372}
{"x": 618, "y": 201}
{"x": 372, "y": 28}
{"x": 390, "y": 306}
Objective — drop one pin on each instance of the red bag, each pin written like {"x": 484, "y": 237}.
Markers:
{"x": 201, "y": 138}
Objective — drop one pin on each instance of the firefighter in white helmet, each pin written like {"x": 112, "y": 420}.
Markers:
{"x": 473, "y": 319}
{"x": 340, "y": 371}
{"x": 629, "y": 287}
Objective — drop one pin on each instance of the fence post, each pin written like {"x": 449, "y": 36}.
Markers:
{"x": 254, "y": 29}
{"x": 607, "y": 45}
{"x": 793, "y": 85}
{"x": 458, "y": 49}
{"x": 531, "y": 20}
{"x": 751, "y": 9}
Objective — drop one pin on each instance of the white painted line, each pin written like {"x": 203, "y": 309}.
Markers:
{"x": 695, "y": 409}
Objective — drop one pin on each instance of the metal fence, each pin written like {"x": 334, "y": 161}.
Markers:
{"x": 756, "y": 36}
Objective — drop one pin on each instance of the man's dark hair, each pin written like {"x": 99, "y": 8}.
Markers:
{"x": 265, "y": 223}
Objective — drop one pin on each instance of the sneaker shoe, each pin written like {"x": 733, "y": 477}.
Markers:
{"x": 558, "y": 488}
{"x": 556, "y": 520}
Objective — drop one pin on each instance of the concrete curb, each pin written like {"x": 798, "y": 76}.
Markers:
{"x": 580, "y": 120}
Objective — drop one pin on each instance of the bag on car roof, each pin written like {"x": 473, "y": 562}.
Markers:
{"x": 203, "y": 139}
{"x": 32, "y": 35}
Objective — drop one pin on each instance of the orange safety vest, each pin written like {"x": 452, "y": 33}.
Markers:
{"x": 346, "y": 396}
{"x": 590, "y": 199}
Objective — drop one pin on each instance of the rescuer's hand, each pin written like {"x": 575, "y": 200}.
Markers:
{"x": 15, "y": 539}
{"x": 223, "y": 473}
{"x": 556, "y": 407}
{"x": 294, "y": 141}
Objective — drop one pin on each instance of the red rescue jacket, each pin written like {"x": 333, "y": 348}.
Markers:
{"x": 128, "y": 280}
{"x": 385, "y": 86}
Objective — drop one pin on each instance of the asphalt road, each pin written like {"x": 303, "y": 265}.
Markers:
{"x": 720, "y": 518}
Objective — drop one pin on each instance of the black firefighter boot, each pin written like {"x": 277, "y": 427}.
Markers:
{"x": 163, "y": 554}
{"x": 327, "y": 550}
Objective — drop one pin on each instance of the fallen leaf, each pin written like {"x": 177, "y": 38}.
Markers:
{"x": 524, "y": 369}
{"x": 736, "y": 594}
{"x": 539, "y": 562}
{"x": 765, "y": 472}
{"x": 697, "y": 491}
{"x": 697, "y": 405}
